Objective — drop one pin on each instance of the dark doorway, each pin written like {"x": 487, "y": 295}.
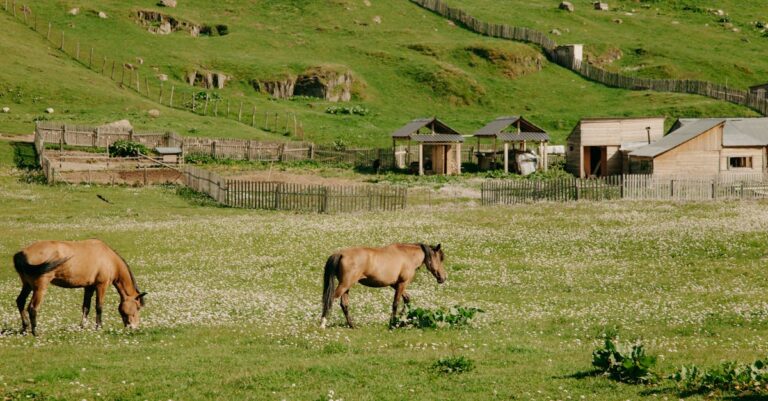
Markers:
{"x": 595, "y": 161}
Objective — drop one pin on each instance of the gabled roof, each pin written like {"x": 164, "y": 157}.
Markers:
{"x": 497, "y": 126}
{"x": 437, "y": 138}
{"x": 685, "y": 133}
{"x": 437, "y": 127}
{"x": 522, "y": 136}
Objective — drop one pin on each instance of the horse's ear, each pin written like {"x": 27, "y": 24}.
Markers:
{"x": 141, "y": 296}
{"x": 437, "y": 248}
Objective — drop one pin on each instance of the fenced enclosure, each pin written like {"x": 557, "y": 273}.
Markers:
{"x": 299, "y": 197}
{"x": 632, "y": 187}
{"x": 746, "y": 98}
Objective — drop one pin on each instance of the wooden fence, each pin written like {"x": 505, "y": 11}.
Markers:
{"x": 754, "y": 101}
{"x": 632, "y": 187}
{"x": 313, "y": 198}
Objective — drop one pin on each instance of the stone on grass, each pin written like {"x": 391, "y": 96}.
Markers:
{"x": 102, "y": 15}
{"x": 167, "y": 3}
{"x": 154, "y": 113}
{"x": 49, "y": 110}
{"x": 567, "y": 5}
{"x": 74, "y": 11}
{"x": 6, "y": 109}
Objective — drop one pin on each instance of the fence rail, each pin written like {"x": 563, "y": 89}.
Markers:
{"x": 754, "y": 101}
{"x": 632, "y": 187}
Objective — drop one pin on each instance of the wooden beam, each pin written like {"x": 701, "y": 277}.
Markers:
{"x": 506, "y": 157}
{"x": 421, "y": 158}
{"x": 458, "y": 158}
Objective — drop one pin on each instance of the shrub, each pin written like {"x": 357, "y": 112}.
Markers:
{"x": 353, "y": 110}
{"x": 626, "y": 363}
{"x": 124, "y": 148}
{"x": 453, "y": 364}
{"x": 728, "y": 377}
{"x": 423, "y": 318}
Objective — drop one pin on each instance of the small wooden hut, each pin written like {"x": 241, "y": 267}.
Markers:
{"x": 515, "y": 133}
{"x": 439, "y": 146}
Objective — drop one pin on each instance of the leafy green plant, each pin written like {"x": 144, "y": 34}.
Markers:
{"x": 424, "y": 318}
{"x": 728, "y": 377}
{"x": 453, "y": 364}
{"x": 353, "y": 110}
{"x": 124, "y": 148}
{"x": 626, "y": 363}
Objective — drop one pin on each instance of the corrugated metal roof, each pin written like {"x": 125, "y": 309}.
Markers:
{"x": 419, "y": 123}
{"x": 523, "y": 136}
{"x": 438, "y": 138}
{"x": 745, "y": 132}
{"x": 685, "y": 133}
{"x": 498, "y": 125}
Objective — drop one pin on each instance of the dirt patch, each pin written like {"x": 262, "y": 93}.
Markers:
{"x": 512, "y": 64}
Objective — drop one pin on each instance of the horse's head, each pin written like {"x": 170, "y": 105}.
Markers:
{"x": 129, "y": 310}
{"x": 433, "y": 259}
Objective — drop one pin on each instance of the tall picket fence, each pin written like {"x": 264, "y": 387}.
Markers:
{"x": 631, "y": 187}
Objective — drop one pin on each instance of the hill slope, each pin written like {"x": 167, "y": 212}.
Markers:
{"x": 406, "y": 63}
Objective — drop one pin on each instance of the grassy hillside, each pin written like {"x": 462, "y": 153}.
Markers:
{"x": 411, "y": 64}
{"x": 656, "y": 39}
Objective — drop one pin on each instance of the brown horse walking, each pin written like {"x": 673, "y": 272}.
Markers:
{"x": 391, "y": 266}
{"x": 89, "y": 264}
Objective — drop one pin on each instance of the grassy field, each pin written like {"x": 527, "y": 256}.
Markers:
{"x": 234, "y": 298}
{"x": 412, "y": 64}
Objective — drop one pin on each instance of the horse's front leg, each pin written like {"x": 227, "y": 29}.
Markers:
{"x": 101, "y": 289}
{"x": 21, "y": 302}
{"x": 87, "y": 296}
{"x": 406, "y": 301}
{"x": 399, "y": 290}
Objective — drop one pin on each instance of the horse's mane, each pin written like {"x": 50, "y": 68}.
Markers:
{"x": 133, "y": 278}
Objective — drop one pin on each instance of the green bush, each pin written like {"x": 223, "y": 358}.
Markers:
{"x": 353, "y": 110}
{"x": 124, "y": 148}
{"x": 626, "y": 363}
{"x": 423, "y": 318}
{"x": 728, "y": 377}
{"x": 453, "y": 364}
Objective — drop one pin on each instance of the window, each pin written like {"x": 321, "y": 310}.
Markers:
{"x": 739, "y": 162}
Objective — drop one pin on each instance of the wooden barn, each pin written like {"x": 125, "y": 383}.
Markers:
{"x": 598, "y": 147}
{"x": 513, "y": 133}
{"x": 439, "y": 146}
{"x": 706, "y": 147}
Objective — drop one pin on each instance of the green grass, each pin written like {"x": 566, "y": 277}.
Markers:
{"x": 411, "y": 65}
{"x": 234, "y": 298}
{"x": 660, "y": 39}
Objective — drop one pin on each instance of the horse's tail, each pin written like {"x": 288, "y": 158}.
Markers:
{"x": 331, "y": 266}
{"x": 22, "y": 265}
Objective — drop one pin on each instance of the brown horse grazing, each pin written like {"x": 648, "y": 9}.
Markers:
{"x": 391, "y": 266}
{"x": 89, "y": 264}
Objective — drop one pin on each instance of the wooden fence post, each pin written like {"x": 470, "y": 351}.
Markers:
{"x": 253, "y": 117}
{"x": 239, "y": 113}
{"x": 170, "y": 103}
{"x": 62, "y": 41}
{"x": 48, "y": 35}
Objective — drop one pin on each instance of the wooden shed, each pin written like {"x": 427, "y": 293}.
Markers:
{"x": 706, "y": 147}
{"x": 439, "y": 146}
{"x": 515, "y": 133}
{"x": 761, "y": 90}
{"x": 598, "y": 147}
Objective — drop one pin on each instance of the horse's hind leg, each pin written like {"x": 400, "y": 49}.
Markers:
{"x": 21, "y": 302}
{"x": 345, "y": 308}
{"x": 87, "y": 296}
{"x": 34, "y": 306}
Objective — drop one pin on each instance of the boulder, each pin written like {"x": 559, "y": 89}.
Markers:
{"x": 164, "y": 28}
{"x": 556, "y": 32}
{"x": 139, "y": 60}
{"x": 167, "y": 3}
{"x": 6, "y": 109}
{"x": 120, "y": 125}
{"x": 325, "y": 84}
{"x": 618, "y": 21}
{"x": 74, "y": 11}
{"x": 377, "y": 19}
{"x": 162, "y": 77}
{"x": 49, "y": 110}
{"x": 278, "y": 88}
{"x": 567, "y": 5}
{"x": 207, "y": 79}
{"x": 600, "y": 6}
{"x": 154, "y": 113}
{"x": 102, "y": 15}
